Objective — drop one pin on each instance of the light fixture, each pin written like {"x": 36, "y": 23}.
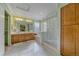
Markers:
{"x": 28, "y": 20}
{"x": 20, "y": 19}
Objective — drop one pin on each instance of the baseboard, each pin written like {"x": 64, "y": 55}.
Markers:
{"x": 51, "y": 49}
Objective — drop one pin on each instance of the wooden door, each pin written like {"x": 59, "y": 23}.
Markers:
{"x": 77, "y": 40}
{"x": 77, "y": 29}
{"x": 77, "y": 13}
{"x": 68, "y": 22}
{"x": 69, "y": 40}
{"x": 68, "y": 14}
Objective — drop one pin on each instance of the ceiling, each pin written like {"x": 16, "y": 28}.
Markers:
{"x": 36, "y": 11}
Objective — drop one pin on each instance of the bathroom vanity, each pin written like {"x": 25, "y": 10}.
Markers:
{"x": 22, "y": 30}
{"x": 22, "y": 36}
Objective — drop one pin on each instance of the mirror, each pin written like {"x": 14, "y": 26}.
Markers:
{"x": 23, "y": 25}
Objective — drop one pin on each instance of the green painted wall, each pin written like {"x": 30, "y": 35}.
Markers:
{"x": 6, "y": 28}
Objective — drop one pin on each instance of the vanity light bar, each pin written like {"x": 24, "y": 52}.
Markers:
{"x": 19, "y": 19}
{"x": 28, "y": 20}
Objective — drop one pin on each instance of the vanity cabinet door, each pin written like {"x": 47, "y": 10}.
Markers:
{"x": 15, "y": 39}
{"x": 20, "y": 37}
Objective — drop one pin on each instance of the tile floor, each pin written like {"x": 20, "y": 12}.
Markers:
{"x": 29, "y": 48}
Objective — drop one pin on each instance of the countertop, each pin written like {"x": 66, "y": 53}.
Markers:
{"x": 22, "y": 32}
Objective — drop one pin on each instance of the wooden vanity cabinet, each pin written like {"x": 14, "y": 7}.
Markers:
{"x": 15, "y": 38}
